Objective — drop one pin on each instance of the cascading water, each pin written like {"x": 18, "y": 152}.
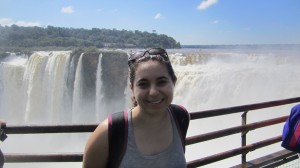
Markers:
{"x": 78, "y": 97}
{"x": 99, "y": 90}
{"x": 57, "y": 88}
{"x": 11, "y": 75}
{"x": 214, "y": 79}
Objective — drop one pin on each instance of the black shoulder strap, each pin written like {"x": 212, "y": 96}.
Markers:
{"x": 182, "y": 119}
{"x": 118, "y": 132}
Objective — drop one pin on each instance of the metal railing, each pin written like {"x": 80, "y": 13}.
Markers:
{"x": 243, "y": 129}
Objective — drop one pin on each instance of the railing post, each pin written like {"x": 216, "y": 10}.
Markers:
{"x": 244, "y": 138}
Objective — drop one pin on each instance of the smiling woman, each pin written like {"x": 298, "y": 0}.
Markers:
{"x": 153, "y": 133}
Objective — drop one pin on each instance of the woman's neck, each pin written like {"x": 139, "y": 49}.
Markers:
{"x": 143, "y": 118}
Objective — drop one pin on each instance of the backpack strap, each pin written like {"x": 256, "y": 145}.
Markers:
{"x": 118, "y": 132}
{"x": 117, "y": 138}
{"x": 182, "y": 120}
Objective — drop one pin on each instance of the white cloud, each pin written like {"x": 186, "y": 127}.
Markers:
{"x": 67, "y": 10}
{"x": 27, "y": 24}
{"x": 215, "y": 22}
{"x": 157, "y": 16}
{"x": 6, "y": 21}
{"x": 9, "y": 22}
{"x": 206, "y": 4}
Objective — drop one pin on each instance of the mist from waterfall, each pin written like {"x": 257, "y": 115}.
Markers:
{"x": 211, "y": 79}
{"x": 50, "y": 88}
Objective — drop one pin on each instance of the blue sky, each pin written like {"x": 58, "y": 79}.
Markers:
{"x": 203, "y": 22}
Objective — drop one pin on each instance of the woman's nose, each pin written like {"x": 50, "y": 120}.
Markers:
{"x": 153, "y": 91}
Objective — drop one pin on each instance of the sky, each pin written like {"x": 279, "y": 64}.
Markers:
{"x": 190, "y": 22}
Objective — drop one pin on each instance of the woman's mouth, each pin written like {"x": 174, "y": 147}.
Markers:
{"x": 155, "y": 101}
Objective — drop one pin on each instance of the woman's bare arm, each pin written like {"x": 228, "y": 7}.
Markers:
{"x": 96, "y": 149}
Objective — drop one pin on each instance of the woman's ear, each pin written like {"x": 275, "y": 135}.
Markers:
{"x": 131, "y": 86}
{"x": 175, "y": 80}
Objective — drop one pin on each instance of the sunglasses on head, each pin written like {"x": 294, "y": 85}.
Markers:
{"x": 153, "y": 51}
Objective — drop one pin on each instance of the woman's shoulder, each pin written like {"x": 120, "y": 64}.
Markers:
{"x": 99, "y": 138}
{"x": 96, "y": 149}
{"x": 101, "y": 130}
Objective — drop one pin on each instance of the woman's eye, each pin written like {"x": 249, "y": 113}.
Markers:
{"x": 142, "y": 85}
{"x": 163, "y": 82}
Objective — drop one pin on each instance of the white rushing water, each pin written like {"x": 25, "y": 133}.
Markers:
{"x": 38, "y": 91}
{"x": 230, "y": 78}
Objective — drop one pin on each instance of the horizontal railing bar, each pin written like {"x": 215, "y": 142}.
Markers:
{"x": 90, "y": 128}
{"x": 77, "y": 157}
{"x": 268, "y": 159}
{"x": 231, "y": 153}
{"x": 17, "y": 158}
{"x": 233, "y": 130}
{"x": 236, "y": 109}
{"x": 30, "y": 129}
{"x": 281, "y": 162}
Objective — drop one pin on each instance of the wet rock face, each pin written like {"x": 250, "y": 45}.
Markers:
{"x": 89, "y": 68}
{"x": 114, "y": 76}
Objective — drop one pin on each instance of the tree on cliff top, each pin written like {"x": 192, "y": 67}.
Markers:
{"x": 28, "y": 37}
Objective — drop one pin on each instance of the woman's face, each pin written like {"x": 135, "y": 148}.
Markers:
{"x": 152, "y": 86}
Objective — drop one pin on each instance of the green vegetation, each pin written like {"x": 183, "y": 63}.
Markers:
{"x": 27, "y": 39}
{"x": 86, "y": 50}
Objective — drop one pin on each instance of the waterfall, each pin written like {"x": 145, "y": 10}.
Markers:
{"x": 99, "y": 92}
{"x": 51, "y": 87}
{"x": 212, "y": 79}
{"x": 78, "y": 109}
{"x": 60, "y": 88}
{"x": 44, "y": 88}
{"x": 11, "y": 75}
{"x": 34, "y": 95}
{"x": 56, "y": 88}
{"x": 229, "y": 79}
